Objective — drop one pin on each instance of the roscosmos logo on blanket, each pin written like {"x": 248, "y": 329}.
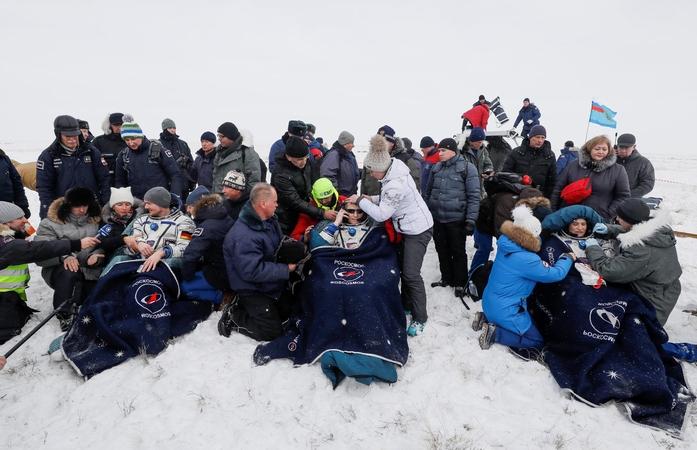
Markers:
{"x": 150, "y": 296}
{"x": 605, "y": 320}
{"x": 347, "y": 273}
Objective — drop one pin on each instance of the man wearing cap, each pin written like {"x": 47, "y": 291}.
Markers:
{"x": 16, "y": 253}
{"x": 201, "y": 171}
{"x": 431, "y": 158}
{"x": 70, "y": 162}
{"x": 236, "y": 152}
{"x": 567, "y": 154}
{"x": 536, "y": 159}
{"x": 164, "y": 232}
{"x": 647, "y": 259}
{"x": 236, "y": 193}
{"x": 639, "y": 169}
{"x": 529, "y": 115}
{"x": 295, "y": 128}
{"x": 371, "y": 186}
{"x": 180, "y": 152}
{"x": 110, "y": 143}
{"x": 293, "y": 178}
{"x": 143, "y": 164}
{"x": 339, "y": 165}
{"x": 475, "y": 152}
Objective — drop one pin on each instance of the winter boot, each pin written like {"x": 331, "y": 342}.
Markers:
{"x": 460, "y": 292}
{"x": 486, "y": 339}
{"x": 415, "y": 328}
{"x": 440, "y": 283}
{"x": 226, "y": 324}
{"x": 479, "y": 320}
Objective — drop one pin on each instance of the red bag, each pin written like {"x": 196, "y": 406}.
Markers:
{"x": 577, "y": 191}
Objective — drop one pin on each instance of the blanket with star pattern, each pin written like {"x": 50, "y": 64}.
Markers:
{"x": 128, "y": 313}
{"x": 604, "y": 345}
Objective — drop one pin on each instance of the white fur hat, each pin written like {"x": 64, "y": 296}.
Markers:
{"x": 522, "y": 217}
{"x": 119, "y": 195}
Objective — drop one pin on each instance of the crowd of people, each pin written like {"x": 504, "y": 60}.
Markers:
{"x": 213, "y": 218}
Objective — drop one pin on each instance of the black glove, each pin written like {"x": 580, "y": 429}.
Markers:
{"x": 184, "y": 162}
{"x": 27, "y": 211}
{"x": 469, "y": 228}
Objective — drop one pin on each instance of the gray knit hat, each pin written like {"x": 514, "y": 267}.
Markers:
{"x": 168, "y": 123}
{"x": 345, "y": 138}
{"x": 159, "y": 196}
{"x": 378, "y": 157}
{"x": 9, "y": 212}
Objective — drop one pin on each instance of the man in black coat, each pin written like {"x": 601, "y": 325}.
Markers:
{"x": 293, "y": 178}
{"x": 639, "y": 169}
{"x": 535, "y": 159}
{"x": 110, "y": 143}
{"x": 181, "y": 153}
{"x": 236, "y": 193}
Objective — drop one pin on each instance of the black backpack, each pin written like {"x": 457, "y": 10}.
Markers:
{"x": 478, "y": 281}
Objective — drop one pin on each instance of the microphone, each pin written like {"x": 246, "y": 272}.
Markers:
{"x": 104, "y": 231}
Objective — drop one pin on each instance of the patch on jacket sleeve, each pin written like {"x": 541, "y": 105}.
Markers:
{"x": 39, "y": 165}
{"x": 186, "y": 235}
{"x": 88, "y": 159}
{"x": 104, "y": 163}
{"x": 197, "y": 232}
{"x": 7, "y": 239}
{"x": 169, "y": 154}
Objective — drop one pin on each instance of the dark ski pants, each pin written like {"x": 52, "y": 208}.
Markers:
{"x": 413, "y": 289}
{"x": 63, "y": 282}
{"x": 450, "y": 245}
{"x": 261, "y": 317}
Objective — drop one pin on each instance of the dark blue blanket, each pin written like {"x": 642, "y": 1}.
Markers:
{"x": 349, "y": 302}
{"x": 605, "y": 344}
{"x": 128, "y": 313}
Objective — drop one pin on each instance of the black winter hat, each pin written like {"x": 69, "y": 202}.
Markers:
{"x": 311, "y": 128}
{"x": 569, "y": 144}
{"x": 208, "y": 136}
{"x": 83, "y": 124}
{"x": 626, "y": 140}
{"x": 67, "y": 126}
{"x": 116, "y": 119}
{"x": 426, "y": 142}
{"x": 229, "y": 130}
{"x": 448, "y": 143}
{"x": 633, "y": 211}
{"x": 407, "y": 143}
{"x": 297, "y": 128}
{"x": 291, "y": 251}
{"x": 80, "y": 196}
{"x": 296, "y": 147}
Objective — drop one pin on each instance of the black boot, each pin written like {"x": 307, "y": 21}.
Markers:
{"x": 440, "y": 283}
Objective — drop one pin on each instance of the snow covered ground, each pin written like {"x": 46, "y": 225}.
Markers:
{"x": 205, "y": 392}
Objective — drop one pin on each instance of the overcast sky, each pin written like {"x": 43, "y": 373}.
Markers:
{"x": 354, "y": 65}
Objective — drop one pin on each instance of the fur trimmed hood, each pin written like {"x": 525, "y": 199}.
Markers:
{"x": 534, "y": 202}
{"x": 585, "y": 160}
{"x": 521, "y": 236}
{"x": 655, "y": 232}
{"x": 207, "y": 203}
{"x": 60, "y": 209}
{"x": 6, "y": 231}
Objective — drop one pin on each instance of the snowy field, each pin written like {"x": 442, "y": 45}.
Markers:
{"x": 204, "y": 391}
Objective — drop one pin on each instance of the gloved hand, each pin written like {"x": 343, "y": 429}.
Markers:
{"x": 591, "y": 241}
{"x": 600, "y": 228}
{"x": 469, "y": 228}
{"x": 529, "y": 122}
{"x": 183, "y": 161}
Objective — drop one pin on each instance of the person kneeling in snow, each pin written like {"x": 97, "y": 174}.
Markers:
{"x": 516, "y": 270}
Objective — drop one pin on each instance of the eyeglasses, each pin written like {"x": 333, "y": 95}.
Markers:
{"x": 220, "y": 136}
{"x": 354, "y": 211}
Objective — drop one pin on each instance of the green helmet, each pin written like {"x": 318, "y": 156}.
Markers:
{"x": 324, "y": 188}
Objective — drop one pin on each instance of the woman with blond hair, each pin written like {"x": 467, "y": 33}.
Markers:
{"x": 609, "y": 184}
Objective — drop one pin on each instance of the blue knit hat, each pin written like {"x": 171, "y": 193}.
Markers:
{"x": 477, "y": 134}
{"x": 388, "y": 133}
{"x": 208, "y": 136}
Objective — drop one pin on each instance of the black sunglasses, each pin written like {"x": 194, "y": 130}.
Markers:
{"x": 354, "y": 211}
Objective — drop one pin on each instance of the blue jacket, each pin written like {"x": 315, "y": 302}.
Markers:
{"x": 528, "y": 113}
{"x": 11, "y": 186}
{"x": 182, "y": 155}
{"x": 142, "y": 173}
{"x": 429, "y": 161}
{"x": 56, "y": 172}
{"x": 201, "y": 171}
{"x": 278, "y": 145}
{"x": 568, "y": 154}
{"x": 450, "y": 196}
{"x": 250, "y": 249}
{"x": 516, "y": 270}
{"x": 205, "y": 251}
{"x": 339, "y": 166}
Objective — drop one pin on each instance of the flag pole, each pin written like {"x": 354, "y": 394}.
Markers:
{"x": 589, "y": 122}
